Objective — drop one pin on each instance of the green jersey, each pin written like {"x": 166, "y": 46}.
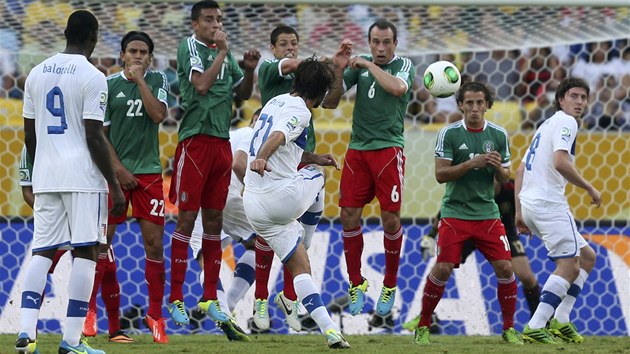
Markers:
{"x": 272, "y": 83}
{"x": 378, "y": 117}
{"x": 471, "y": 197}
{"x": 209, "y": 114}
{"x": 132, "y": 133}
{"x": 26, "y": 169}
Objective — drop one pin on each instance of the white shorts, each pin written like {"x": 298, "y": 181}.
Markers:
{"x": 235, "y": 223}
{"x": 274, "y": 215}
{"x": 557, "y": 230}
{"x": 69, "y": 219}
{"x": 195, "y": 237}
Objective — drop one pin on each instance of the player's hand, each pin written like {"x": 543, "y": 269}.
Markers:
{"x": 250, "y": 59}
{"x": 326, "y": 160}
{"x": 479, "y": 161}
{"x": 596, "y": 196}
{"x": 342, "y": 57}
{"x": 126, "y": 179}
{"x": 136, "y": 72}
{"x": 428, "y": 246}
{"x": 220, "y": 39}
{"x": 521, "y": 226}
{"x": 358, "y": 63}
{"x": 119, "y": 205}
{"x": 259, "y": 166}
{"x": 493, "y": 159}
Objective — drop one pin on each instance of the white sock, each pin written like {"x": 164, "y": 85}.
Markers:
{"x": 312, "y": 301}
{"x": 552, "y": 293}
{"x": 244, "y": 276}
{"x": 310, "y": 218}
{"x": 563, "y": 311}
{"x": 33, "y": 285}
{"x": 79, "y": 291}
{"x": 223, "y": 301}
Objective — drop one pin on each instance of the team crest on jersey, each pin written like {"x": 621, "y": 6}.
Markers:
{"x": 183, "y": 197}
{"x": 488, "y": 146}
{"x": 566, "y": 134}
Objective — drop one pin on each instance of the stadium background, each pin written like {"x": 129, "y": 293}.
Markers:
{"x": 504, "y": 41}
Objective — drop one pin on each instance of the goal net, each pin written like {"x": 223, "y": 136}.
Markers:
{"x": 520, "y": 51}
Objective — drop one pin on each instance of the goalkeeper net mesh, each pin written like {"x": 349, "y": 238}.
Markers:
{"x": 520, "y": 51}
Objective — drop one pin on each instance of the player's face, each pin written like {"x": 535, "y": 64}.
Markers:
{"x": 286, "y": 46}
{"x": 574, "y": 102}
{"x": 474, "y": 107}
{"x": 210, "y": 21}
{"x": 136, "y": 53}
{"x": 382, "y": 45}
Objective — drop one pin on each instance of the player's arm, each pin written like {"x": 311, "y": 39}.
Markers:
{"x": 319, "y": 159}
{"x": 155, "y": 109}
{"x": 564, "y": 165}
{"x": 239, "y": 165}
{"x": 250, "y": 61}
{"x": 259, "y": 165}
{"x": 340, "y": 63}
{"x": 289, "y": 65}
{"x": 27, "y": 194}
{"x": 391, "y": 84}
{"x": 126, "y": 179}
{"x": 446, "y": 172}
{"x": 518, "y": 216}
{"x": 202, "y": 82}
{"x": 30, "y": 137}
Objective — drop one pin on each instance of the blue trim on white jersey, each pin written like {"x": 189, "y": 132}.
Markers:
{"x": 286, "y": 259}
{"x": 313, "y": 177}
{"x": 301, "y": 140}
{"x": 50, "y": 247}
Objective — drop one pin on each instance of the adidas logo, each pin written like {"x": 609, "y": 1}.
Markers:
{"x": 120, "y": 95}
{"x": 463, "y": 147}
{"x": 365, "y": 73}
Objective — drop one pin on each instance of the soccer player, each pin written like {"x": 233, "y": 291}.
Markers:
{"x": 374, "y": 164}
{"x": 277, "y": 194}
{"x": 64, "y": 105}
{"x": 136, "y": 106}
{"x": 469, "y": 155}
{"x": 275, "y": 77}
{"x": 208, "y": 74}
{"x": 542, "y": 208}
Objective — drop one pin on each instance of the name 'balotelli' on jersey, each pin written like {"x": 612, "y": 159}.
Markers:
{"x": 471, "y": 197}
{"x": 133, "y": 134}
{"x": 290, "y": 116}
{"x": 60, "y": 93}
{"x": 209, "y": 114}
{"x": 378, "y": 116}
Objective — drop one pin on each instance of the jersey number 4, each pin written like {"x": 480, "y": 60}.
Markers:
{"x": 54, "y": 105}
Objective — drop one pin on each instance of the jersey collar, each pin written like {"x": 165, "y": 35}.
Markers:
{"x": 485, "y": 124}
{"x": 122, "y": 74}
{"x": 213, "y": 46}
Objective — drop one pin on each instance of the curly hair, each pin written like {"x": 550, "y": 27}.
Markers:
{"x": 313, "y": 78}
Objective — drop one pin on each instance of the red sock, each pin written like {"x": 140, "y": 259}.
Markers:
{"x": 211, "y": 250}
{"x": 101, "y": 266}
{"x": 353, "y": 249}
{"x": 289, "y": 290}
{"x": 155, "y": 276}
{"x": 506, "y": 293}
{"x": 392, "y": 243}
{"x": 433, "y": 291}
{"x": 179, "y": 262}
{"x": 264, "y": 259}
{"x": 110, "y": 292}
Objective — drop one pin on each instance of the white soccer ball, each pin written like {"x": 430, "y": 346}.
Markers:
{"x": 442, "y": 79}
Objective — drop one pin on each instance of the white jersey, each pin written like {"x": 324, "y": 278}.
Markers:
{"x": 289, "y": 115}
{"x": 543, "y": 186}
{"x": 60, "y": 93}
{"x": 240, "y": 139}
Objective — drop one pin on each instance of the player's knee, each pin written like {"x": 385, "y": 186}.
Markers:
{"x": 503, "y": 269}
{"x": 442, "y": 271}
{"x": 350, "y": 217}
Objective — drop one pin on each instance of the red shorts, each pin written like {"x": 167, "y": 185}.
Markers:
{"x": 372, "y": 173}
{"x": 147, "y": 200}
{"x": 201, "y": 173}
{"x": 488, "y": 235}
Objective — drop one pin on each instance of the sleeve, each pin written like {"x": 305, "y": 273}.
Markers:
{"x": 28, "y": 110}
{"x": 406, "y": 72}
{"x": 245, "y": 140}
{"x": 443, "y": 148}
{"x": 564, "y": 135}
{"x": 25, "y": 168}
{"x": 504, "y": 148}
{"x": 107, "y": 121}
{"x": 268, "y": 72}
{"x": 189, "y": 58}
{"x": 293, "y": 122}
{"x": 235, "y": 71}
{"x": 95, "y": 97}
{"x": 161, "y": 90}
{"x": 350, "y": 77}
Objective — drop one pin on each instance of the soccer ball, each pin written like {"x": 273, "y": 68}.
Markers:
{"x": 442, "y": 79}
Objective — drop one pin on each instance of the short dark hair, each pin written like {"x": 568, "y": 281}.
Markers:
{"x": 313, "y": 78}
{"x": 205, "y": 4}
{"x": 82, "y": 26}
{"x": 382, "y": 24}
{"x": 282, "y": 29}
{"x": 567, "y": 84}
{"x": 474, "y": 86}
{"x": 136, "y": 36}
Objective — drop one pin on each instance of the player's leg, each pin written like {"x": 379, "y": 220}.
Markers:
{"x": 264, "y": 260}
{"x": 51, "y": 231}
{"x": 523, "y": 271}
{"x": 453, "y": 233}
{"x": 388, "y": 171}
{"x": 244, "y": 273}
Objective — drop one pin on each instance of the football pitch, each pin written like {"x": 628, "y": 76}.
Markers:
{"x": 298, "y": 344}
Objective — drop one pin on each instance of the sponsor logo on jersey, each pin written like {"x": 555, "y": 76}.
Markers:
{"x": 293, "y": 122}
{"x": 25, "y": 175}
{"x": 488, "y": 146}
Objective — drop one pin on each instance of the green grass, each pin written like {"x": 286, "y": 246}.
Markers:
{"x": 298, "y": 344}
